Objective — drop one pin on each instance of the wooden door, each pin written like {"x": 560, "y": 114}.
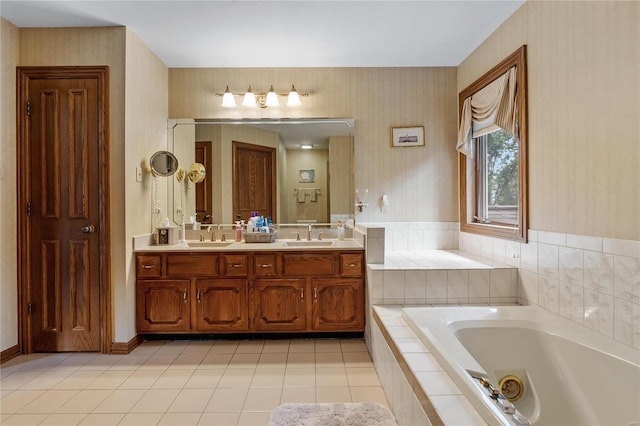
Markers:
{"x": 63, "y": 184}
{"x": 280, "y": 305}
{"x": 162, "y": 306}
{"x": 254, "y": 180}
{"x": 221, "y": 305}
{"x": 338, "y": 304}
{"x": 204, "y": 203}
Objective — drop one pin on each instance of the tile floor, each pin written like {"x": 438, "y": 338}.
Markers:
{"x": 183, "y": 383}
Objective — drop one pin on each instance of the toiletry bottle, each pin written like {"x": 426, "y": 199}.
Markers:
{"x": 238, "y": 231}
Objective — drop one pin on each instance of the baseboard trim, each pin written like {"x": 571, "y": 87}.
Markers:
{"x": 123, "y": 348}
{"x": 9, "y": 353}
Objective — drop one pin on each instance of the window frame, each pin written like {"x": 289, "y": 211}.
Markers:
{"x": 518, "y": 232}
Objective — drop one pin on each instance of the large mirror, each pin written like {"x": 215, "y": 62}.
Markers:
{"x": 292, "y": 170}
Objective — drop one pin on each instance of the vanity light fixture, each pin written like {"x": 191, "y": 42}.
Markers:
{"x": 262, "y": 100}
{"x": 306, "y": 146}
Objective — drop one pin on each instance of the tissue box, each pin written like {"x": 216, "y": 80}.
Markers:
{"x": 166, "y": 236}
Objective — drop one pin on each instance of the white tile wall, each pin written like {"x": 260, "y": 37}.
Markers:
{"x": 593, "y": 281}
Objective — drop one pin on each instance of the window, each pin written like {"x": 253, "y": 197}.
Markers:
{"x": 492, "y": 144}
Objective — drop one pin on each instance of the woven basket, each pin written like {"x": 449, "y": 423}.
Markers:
{"x": 259, "y": 237}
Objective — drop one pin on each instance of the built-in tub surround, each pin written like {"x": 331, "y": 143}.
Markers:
{"x": 593, "y": 281}
{"x": 553, "y": 356}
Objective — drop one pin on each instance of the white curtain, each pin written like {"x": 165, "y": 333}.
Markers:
{"x": 492, "y": 107}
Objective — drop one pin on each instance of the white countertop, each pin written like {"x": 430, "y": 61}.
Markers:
{"x": 280, "y": 245}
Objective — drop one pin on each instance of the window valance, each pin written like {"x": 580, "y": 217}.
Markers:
{"x": 491, "y": 107}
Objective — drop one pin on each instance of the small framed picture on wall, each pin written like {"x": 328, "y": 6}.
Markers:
{"x": 407, "y": 136}
{"x": 307, "y": 176}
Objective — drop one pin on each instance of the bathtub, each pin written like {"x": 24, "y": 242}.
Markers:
{"x": 565, "y": 373}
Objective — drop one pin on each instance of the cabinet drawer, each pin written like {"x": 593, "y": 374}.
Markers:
{"x": 308, "y": 264}
{"x": 351, "y": 264}
{"x": 264, "y": 264}
{"x": 234, "y": 265}
{"x": 148, "y": 266}
{"x": 202, "y": 265}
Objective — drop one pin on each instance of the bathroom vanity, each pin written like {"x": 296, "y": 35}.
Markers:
{"x": 250, "y": 288}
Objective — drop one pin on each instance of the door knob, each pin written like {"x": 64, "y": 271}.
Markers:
{"x": 88, "y": 229}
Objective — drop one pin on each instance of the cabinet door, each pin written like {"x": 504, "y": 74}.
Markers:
{"x": 338, "y": 304}
{"x": 280, "y": 305}
{"x": 221, "y": 305}
{"x": 162, "y": 306}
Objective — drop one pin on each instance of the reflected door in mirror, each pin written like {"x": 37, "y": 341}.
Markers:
{"x": 204, "y": 205}
{"x": 254, "y": 180}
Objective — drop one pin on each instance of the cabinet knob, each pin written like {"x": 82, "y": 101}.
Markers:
{"x": 148, "y": 266}
{"x": 315, "y": 294}
{"x": 302, "y": 294}
{"x": 184, "y": 296}
{"x": 266, "y": 265}
{"x": 198, "y": 295}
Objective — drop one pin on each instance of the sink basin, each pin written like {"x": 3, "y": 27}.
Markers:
{"x": 308, "y": 243}
{"x": 209, "y": 244}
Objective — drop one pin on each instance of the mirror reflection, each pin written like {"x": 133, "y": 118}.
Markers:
{"x": 294, "y": 171}
{"x": 163, "y": 163}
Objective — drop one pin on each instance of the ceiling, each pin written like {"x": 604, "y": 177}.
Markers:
{"x": 305, "y": 33}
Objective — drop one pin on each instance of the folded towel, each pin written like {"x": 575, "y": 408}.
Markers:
{"x": 313, "y": 194}
{"x": 300, "y": 194}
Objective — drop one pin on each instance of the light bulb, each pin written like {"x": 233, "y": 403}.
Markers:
{"x": 294, "y": 97}
{"x": 272, "y": 98}
{"x": 249, "y": 98}
{"x": 228, "y": 101}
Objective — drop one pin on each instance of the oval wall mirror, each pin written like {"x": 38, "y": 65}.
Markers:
{"x": 163, "y": 163}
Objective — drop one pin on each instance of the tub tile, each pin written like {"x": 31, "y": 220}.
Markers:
{"x": 528, "y": 286}
{"x": 606, "y": 315}
{"x": 500, "y": 283}
{"x": 416, "y": 240}
{"x": 577, "y": 304}
{"x": 585, "y": 242}
{"x": 415, "y": 286}
{"x": 436, "y": 284}
{"x": 419, "y": 417}
{"x": 624, "y": 313}
{"x": 548, "y": 260}
{"x": 591, "y": 301}
{"x": 598, "y": 272}
{"x": 419, "y": 362}
{"x": 499, "y": 249}
{"x": 394, "y": 285}
{"x": 479, "y": 283}
{"x": 626, "y": 281}
{"x": 458, "y": 285}
{"x": 628, "y": 248}
{"x": 549, "y": 293}
{"x": 529, "y": 256}
{"x": 571, "y": 265}
{"x": 437, "y": 383}
{"x": 554, "y": 238}
{"x": 486, "y": 250}
{"x": 565, "y": 300}
{"x": 456, "y": 410}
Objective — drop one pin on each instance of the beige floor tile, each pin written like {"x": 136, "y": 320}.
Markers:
{"x": 172, "y": 347}
{"x": 63, "y": 419}
{"x": 215, "y": 360}
{"x": 187, "y": 362}
{"x": 155, "y": 401}
{"x": 84, "y": 401}
{"x": 331, "y": 376}
{"x": 4, "y": 393}
{"x": 18, "y": 399}
{"x": 225, "y": 400}
{"x": 131, "y": 362}
{"x": 300, "y": 377}
{"x": 102, "y": 419}
{"x": 147, "y": 348}
{"x": 333, "y": 394}
{"x": 157, "y": 361}
{"x": 78, "y": 379}
{"x": 102, "y": 362}
{"x": 244, "y": 361}
{"x": 18, "y": 379}
{"x": 141, "y": 419}
{"x": 191, "y": 401}
{"x": 302, "y": 345}
{"x": 357, "y": 359}
{"x": 301, "y": 359}
{"x": 120, "y": 401}
{"x": 172, "y": 379}
{"x": 328, "y": 345}
{"x": 48, "y": 402}
{"x": 47, "y": 380}
{"x": 204, "y": 379}
{"x": 353, "y": 345}
{"x": 219, "y": 419}
{"x": 275, "y": 346}
{"x": 272, "y": 359}
{"x": 141, "y": 379}
{"x": 262, "y": 399}
{"x": 110, "y": 379}
{"x": 362, "y": 377}
{"x": 298, "y": 394}
{"x": 368, "y": 393}
{"x": 250, "y": 347}
{"x": 254, "y": 419}
{"x": 180, "y": 419}
{"x": 224, "y": 347}
{"x": 273, "y": 376}
{"x": 24, "y": 419}
{"x": 236, "y": 378}
{"x": 329, "y": 359}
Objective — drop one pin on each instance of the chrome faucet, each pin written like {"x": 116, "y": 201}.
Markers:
{"x": 320, "y": 236}
{"x": 224, "y": 237}
{"x": 212, "y": 232}
{"x": 309, "y": 232}
{"x": 201, "y": 237}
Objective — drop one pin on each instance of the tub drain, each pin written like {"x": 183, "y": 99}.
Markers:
{"x": 511, "y": 387}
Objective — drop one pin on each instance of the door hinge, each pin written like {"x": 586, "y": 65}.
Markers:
{"x": 28, "y": 108}
{"x": 29, "y": 208}
{"x": 29, "y": 308}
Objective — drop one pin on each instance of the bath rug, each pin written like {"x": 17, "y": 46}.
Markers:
{"x": 332, "y": 414}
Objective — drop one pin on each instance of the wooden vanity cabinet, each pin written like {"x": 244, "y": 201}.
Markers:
{"x": 262, "y": 291}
